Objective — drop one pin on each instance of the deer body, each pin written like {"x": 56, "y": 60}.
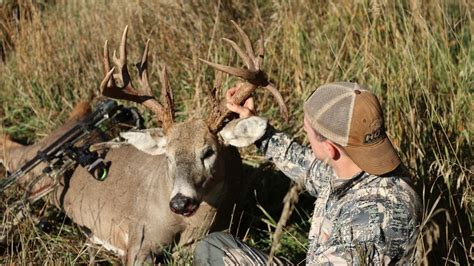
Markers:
{"x": 130, "y": 210}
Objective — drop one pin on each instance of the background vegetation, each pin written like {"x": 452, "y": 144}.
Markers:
{"x": 417, "y": 56}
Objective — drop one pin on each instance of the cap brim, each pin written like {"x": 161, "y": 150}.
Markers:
{"x": 377, "y": 159}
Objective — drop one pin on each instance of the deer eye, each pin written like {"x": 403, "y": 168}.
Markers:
{"x": 207, "y": 152}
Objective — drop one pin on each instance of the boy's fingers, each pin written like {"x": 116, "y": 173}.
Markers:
{"x": 242, "y": 111}
{"x": 250, "y": 104}
{"x": 235, "y": 108}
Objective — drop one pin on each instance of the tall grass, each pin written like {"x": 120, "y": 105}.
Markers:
{"x": 417, "y": 56}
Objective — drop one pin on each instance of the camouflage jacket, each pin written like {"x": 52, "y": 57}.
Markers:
{"x": 367, "y": 219}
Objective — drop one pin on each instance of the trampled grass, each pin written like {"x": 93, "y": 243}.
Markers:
{"x": 417, "y": 56}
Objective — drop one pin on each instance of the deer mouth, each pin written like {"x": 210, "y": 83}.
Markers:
{"x": 191, "y": 211}
{"x": 187, "y": 212}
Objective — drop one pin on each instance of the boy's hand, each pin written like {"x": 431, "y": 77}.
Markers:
{"x": 245, "y": 111}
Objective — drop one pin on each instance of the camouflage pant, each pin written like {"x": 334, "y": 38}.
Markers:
{"x": 224, "y": 249}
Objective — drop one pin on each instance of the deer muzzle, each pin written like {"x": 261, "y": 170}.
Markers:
{"x": 183, "y": 205}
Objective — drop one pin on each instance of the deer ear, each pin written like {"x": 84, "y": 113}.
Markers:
{"x": 244, "y": 132}
{"x": 151, "y": 141}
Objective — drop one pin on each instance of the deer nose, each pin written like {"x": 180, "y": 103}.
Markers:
{"x": 183, "y": 205}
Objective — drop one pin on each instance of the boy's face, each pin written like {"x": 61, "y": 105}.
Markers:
{"x": 317, "y": 145}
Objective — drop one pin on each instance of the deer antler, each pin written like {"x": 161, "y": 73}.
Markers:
{"x": 109, "y": 87}
{"x": 253, "y": 75}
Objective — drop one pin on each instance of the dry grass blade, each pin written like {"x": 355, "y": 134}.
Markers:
{"x": 289, "y": 204}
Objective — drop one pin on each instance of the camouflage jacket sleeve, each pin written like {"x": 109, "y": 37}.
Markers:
{"x": 294, "y": 160}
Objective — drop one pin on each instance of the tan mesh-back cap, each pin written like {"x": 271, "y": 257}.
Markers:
{"x": 351, "y": 116}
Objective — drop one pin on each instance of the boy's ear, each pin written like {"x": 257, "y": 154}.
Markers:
{"x": 332, "y": 149}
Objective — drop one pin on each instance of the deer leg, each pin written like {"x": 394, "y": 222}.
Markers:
{"x": 135, "y": 255}
{"x": 136, "y": 252}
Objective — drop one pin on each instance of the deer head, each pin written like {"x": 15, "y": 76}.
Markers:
{"x": 196, "y": 149}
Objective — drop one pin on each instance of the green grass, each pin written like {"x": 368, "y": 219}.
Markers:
{"x": 417, "y": 56}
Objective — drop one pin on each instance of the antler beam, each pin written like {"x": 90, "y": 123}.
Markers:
{"x": 254, "y": 77}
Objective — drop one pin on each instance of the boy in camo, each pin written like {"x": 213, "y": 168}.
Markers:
{"x": 366, "y": 211}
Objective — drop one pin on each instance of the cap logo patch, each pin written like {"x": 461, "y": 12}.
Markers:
{"x": 376, "y": 135}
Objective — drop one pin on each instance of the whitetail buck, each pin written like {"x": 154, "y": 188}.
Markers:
{"x": 166, "y": 184}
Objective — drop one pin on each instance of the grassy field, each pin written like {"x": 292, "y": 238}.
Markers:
{"x": 417, "y": 56}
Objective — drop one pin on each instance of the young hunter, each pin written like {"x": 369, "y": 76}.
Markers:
{"x": 366, "y": 211}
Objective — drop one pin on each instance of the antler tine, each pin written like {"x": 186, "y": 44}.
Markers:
{"x": 167, "y": 98}
{"x": 143, "y": 70}
{"x": 245, "y": 39}
{"x": 260, "y": 51}
{"x": 127, "y": 92}
{"x": 246, "y": 58}
{"x": 107, "y": 70}
{"x": 214, "y": 92}
{"x": 281, "y": 103}
{"x": 234, "y": 71}
{"x": 163, "y": 112}
{"x": 217, "y": 84}
{"x": 121, "y": 62}
{"x": 106, "y": 82}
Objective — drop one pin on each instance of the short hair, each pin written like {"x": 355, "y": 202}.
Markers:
{"x": 321, "y": 138}
{"x": 319, "y": 135}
